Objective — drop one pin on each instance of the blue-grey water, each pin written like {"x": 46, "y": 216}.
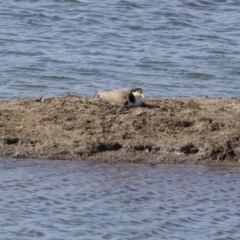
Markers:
{"x": 172, "y": 48}
{"x": 169, "y": 48}
{"x": 81, "y": 200}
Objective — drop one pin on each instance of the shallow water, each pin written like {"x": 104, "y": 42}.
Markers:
{"x": 84, "y": 200}
{"x": 169, "y": 48}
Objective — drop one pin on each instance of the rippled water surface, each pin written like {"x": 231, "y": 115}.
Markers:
{"x": 169, "y": 48}
{"x": 83, "y": 200}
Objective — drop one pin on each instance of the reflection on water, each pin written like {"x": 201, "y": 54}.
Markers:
{"x": 84, "y": 200}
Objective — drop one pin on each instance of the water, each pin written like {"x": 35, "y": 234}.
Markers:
{"x": 83, "y": 200}
{"x": 169, "y": 48}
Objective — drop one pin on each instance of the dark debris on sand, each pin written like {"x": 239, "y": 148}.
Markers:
{"x": 198, "y": 130}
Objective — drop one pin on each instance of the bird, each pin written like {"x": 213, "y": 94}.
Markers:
{"x": 123, "y": 96}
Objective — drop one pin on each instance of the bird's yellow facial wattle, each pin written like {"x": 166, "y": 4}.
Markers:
{"x": 140, "y": 93}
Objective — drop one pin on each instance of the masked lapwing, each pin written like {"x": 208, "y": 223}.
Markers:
{"x": 123, "y": 96}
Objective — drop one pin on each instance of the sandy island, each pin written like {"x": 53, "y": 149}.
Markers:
{"x": 197, "y": 130}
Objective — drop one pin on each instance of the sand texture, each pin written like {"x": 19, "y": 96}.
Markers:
{"x": 197, "y": 130}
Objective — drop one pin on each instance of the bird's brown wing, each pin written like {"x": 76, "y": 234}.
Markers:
{"x": 119, "y": 96}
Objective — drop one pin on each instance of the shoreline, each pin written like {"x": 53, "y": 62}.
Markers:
{"x": 182, "y": 130}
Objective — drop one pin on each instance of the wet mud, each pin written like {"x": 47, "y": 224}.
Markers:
{"x": 192, "y": 130}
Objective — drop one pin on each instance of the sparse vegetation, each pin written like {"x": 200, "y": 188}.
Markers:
{"x": 193, "y": 105}
{"x": 221, "y": 108}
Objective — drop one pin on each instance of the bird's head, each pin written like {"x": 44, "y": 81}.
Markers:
{"x": 138, "y": 92}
